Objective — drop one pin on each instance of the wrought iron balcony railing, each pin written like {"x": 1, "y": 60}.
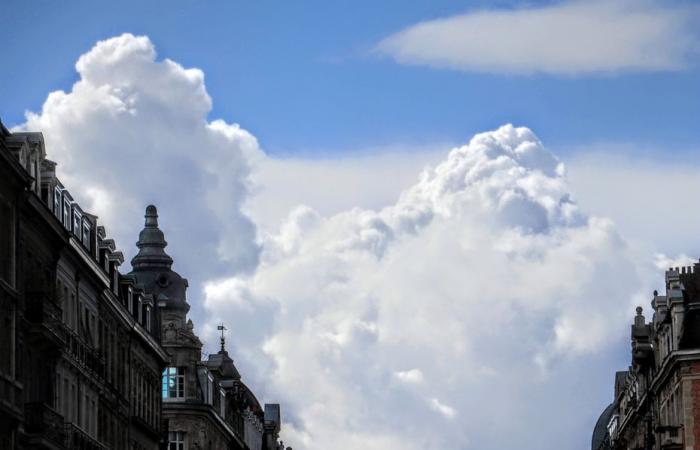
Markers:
{"x": 77, "y": 439}
{"x": 43, "y": 422}
{"x": 45, "y": 316}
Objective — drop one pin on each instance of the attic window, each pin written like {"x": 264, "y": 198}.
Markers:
{"x": 210, "y": 389}
{"x": 222, "y": 403}
{"x": 66, "y": 214}
{"x": 86, "y": 234}
{"x": 77, "y": 219}
{"x": 57, "y": 202}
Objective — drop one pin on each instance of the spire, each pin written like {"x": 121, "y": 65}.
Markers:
{"x": 151, "y": 245}
{"x": 221, "y": 361}
{"x": 222, "y": 328}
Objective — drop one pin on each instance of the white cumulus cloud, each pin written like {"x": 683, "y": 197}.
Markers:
{"x": 480, "y": 294}
{"x": 573, "y": 37}
{"x": 133, "y": 130}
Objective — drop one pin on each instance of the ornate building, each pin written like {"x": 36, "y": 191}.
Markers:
{"x": 205, "y": 403}
{"x": 94, "y": 359}
{"x": 657, "y": 400}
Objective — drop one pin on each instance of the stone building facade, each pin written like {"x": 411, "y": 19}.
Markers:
{"x": 81, "y": 359}
{"x": 657, "y": 400}
{"x": 87, "y": 354}
{"x": 205, "y": 403}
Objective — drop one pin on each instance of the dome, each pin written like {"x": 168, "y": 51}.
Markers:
{"x": 601, "y": 439}
{"x": 151, "y": 267}
{"x": 151, "y": 244}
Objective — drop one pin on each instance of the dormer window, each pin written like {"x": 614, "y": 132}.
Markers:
{"x": 86, "y": 234}
{"x": 148, "y": 318}
{"x": 129, "y": 300}
{"x": 222, "y": 403}
{"x": 57, "y": 202}
{"x": 210, "y": 389}
{"x": 66, "y": 214}
{"x": 77, "y": 220}
{"x": 139, "y": 309}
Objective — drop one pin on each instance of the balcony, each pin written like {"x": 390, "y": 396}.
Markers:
{"x": 77, "y": 439}
{"x": 45, "y": 319}
{"x": 10, "y": 395}
{"x": 84, "y": 355}
{"x": 670, "y": 437}
{"x": 43, "y": 424}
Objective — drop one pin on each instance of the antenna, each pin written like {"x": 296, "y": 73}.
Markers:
{"x": 222, "y": 328}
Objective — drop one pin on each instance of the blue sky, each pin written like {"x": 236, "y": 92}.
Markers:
{"x": 303, "y": 77}
{"x": 301, "y": 221}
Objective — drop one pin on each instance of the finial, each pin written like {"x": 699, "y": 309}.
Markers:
{"x": 222, "y": 328}
{"x": 151, "y": 216}
{"x": 656, "y": 293}
{"x": 639, "y": 310}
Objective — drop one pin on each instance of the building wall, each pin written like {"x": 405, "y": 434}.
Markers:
{"x": 83, "y": 347}
{"x": 657, "y": 401}
{"x": 83, "y": 372}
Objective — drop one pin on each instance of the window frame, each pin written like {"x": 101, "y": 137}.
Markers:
{"x": 57, "y": 202}
{"x": 77, "y": 223}
{"x": 66, "y": 214}
{"x": 147, "y": 322}
{"x": 222, "y": 403}
{"x": 177, "y": 440}
{"x": 8, "y": 267}
{"x": 85, "y": 234}
{"x": 210, "y": 389}
{"x": 173, "y": 381}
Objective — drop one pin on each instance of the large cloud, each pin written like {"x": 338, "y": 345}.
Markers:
{"x": 446, "y": 319}
{"x": 133, "y": 130}
{"x": 572, "y": 37}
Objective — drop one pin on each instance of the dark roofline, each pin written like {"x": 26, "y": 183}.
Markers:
{"x": 5, "y": 131}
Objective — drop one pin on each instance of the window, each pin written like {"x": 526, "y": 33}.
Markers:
{"x": 176, "y": 440}
{"x": 77, "y": 219}
{"x": 86, "y": 235}
{"x": 7, "y": 242}
{"x": 66, "y": 401}
{"x": 66, "y": 213}
{"x": 57, "y": 202}
{"x": 74, "y": 403}
{"x": 174, "y": 382}
{"x": 210, "y": 389}
{"x": 222, "y": 403}
{"x": 148, "y": 318}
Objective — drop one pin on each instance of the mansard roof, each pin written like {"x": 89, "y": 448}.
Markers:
{"x": 222, "y": 362}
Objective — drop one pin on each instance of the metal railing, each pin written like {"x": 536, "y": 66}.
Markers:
{"x": 43, "y": 312}
{"x": 42, "y": 420}
{"x": 89, "y": 358}
{"x": 77, "y": 439}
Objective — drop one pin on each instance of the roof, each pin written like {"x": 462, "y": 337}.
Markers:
{"x": 600, "y": 432}
{"x": 222, "y": 362}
